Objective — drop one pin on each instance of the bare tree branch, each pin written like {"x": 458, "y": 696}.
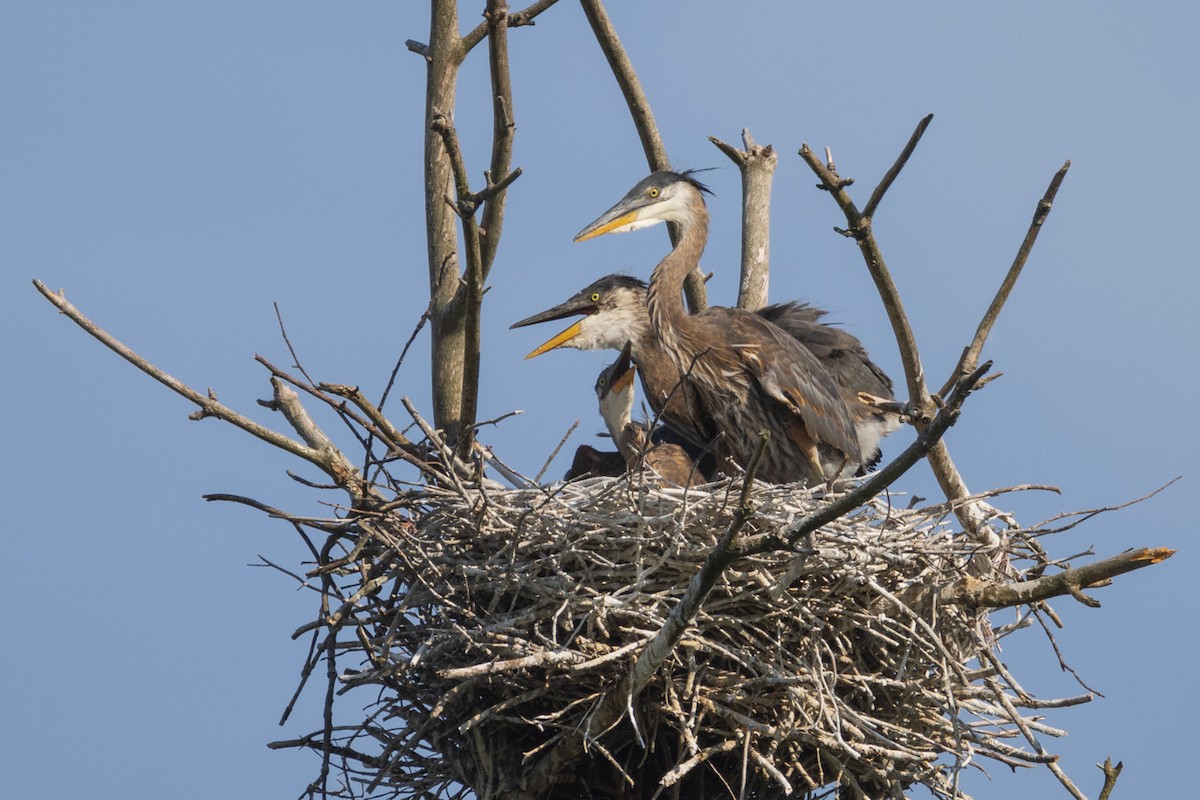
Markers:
{"x": 971, "y": 515}
{"x": 975, "y": 593}
{"x": 470, "y": 294}
{"x": 643, "y": 121}
{"x": 503, "y": 129}
{"x": 447, "y": 306}
{"x": 971, "y": 355}
{"x": 1111, "y": 773}
{"x": 757, "y": 165}
{"x": 890, "y": 177}
{"x": 314, "y": 454}
{"x": 516, "y": 19}
{"x": 860, "y": 230}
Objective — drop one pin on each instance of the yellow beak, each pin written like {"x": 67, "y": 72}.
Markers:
{"x": 558, "y": 341}
{"x": 611, "y": 225}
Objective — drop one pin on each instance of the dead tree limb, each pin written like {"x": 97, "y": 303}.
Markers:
{"x": 1111, "y": 773}
{"x": 860, "y": 229}
{"x": 757, "y": 166}
{"x": 972, "y": 515}
{"x": 643, "y": 121}
{"x": 976, "y": 594}
{"x": 503, "y": 130}
{"x": 316, "y": 449}
{"x": 971, "y": 354}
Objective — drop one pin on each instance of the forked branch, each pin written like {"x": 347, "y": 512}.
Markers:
{"x": 317, "y": 451}
{"x": 921, "y": 404}
{"x": 757, "y": 166}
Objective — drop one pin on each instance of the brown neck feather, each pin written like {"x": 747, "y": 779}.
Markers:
{"x": 668, "y": 317}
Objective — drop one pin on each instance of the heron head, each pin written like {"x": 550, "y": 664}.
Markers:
{"x": 613, "y": 311}
{"x": 614, "y": 390}
{"x": 660, "y": 197}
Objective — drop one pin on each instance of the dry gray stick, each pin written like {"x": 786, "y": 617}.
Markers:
{"x": 757, "y": 165}
{"x": 975, "y": 593}
{"x": 209, "y": 406}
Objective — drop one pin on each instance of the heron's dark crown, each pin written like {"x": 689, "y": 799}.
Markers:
{"x": 666, "y": 177}
{"x": 614, "y": 281}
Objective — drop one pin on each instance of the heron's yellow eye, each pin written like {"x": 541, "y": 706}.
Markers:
{"x": 595, "y": 297}
{"x": 652, "y": 192}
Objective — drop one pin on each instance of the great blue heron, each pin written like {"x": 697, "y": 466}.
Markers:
{"x": 613, "y": 312}
{"x": 614, "y": 391}
{"x": 748, "y": 374}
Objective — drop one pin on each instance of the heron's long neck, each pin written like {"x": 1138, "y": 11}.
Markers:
{"x": 668, "y": 317}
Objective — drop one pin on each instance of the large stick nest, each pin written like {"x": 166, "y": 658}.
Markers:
{"x": 491, "y": 623}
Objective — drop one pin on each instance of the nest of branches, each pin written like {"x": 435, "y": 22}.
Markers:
{"x": 497, "y": 627}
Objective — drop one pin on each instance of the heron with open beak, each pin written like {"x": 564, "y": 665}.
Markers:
{"x": 747, "y": 374}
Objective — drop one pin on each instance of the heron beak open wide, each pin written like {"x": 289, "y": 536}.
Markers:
{"x": 558, "y": 341}
{"x": 578, "y": 305}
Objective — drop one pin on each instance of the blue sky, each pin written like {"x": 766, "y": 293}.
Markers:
{"x": 180, "y": 167}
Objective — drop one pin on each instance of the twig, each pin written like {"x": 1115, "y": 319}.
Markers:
{"x": 974, "y": 593}
{"x": 397, "y": 441}
{"x": 970, "y": 356}
{"x": 207, "y": 403}
{"x": 894, "y": 172}
{"x": 861, "y": 231}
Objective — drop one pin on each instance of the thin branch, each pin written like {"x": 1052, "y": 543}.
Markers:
{"x": 970, "y": 356}
{"x": 207, "y": 403}
{"x": 894, "y": 172}
{"x": 503, "y": 130}
{"x": 970, "y": 515}
{"x": 472, "y": 298}
{"x": 537, "y": 479}
{"x": 860, "y": 230}
{"x": 447, "y": 305}
{"x": 397, "y": 442}
{"x": 643, "y": 121}
{"x": 974, "y": 593}
{"x": 757, "y": 166}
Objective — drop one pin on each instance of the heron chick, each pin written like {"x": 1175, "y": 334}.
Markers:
{"x": 614, "y": 391}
